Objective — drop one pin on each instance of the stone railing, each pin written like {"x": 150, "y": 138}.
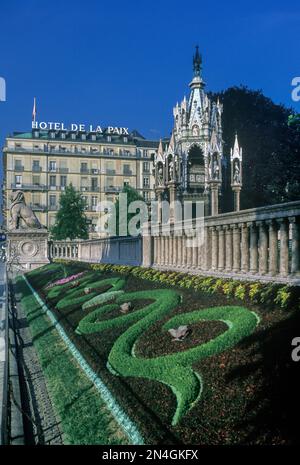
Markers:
{"x": 118, "y": 250}
{"x": 260, "y": 243}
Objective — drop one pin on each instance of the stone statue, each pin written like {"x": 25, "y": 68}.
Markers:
{"x": 236, "y": 174}
{"x": 216, "y": 169}
{"x": 20, "y": 211}
{"x": 171, "y": 165}
{"x": 160, "y": 177}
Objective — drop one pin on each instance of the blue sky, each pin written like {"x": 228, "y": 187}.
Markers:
{"x": 127, "y": 63}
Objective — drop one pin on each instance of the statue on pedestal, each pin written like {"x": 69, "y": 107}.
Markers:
{"x": 20, "y": 211}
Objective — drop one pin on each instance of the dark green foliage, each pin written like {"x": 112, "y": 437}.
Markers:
{"x": 70, "y": 221}
{"x": 132, "y": 196}
{"x": 271, "y": 148}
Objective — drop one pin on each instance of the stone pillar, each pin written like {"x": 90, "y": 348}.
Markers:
{"x": 189, "y": 252}
{"x": 171, "y": 239}
{"x": 228, "y": 252}
{"x": 184, "y": 251}
{"x": 244, "y": 248}
{"x": 206, "y": 249}
{"x": 175, "y": 250}
{"x": 273, "y": 248}
{"x": 295, "y": 265}
{"x": 253, "y": 249}
{"x": 284, "y": 247}
{"x": 221, "y": 248}
{"x": 167, "y": 238}
{"x": 214, "y": 199}
{"x": 172, "y": 190}
{"x": 195, "y": 252}
{"x": 179, "y": 251}
{"x": 214, "y": 248}
{"x": 263, "y": 248}
{"x": 236, "y": 240}
{"x": 236, "y": 198}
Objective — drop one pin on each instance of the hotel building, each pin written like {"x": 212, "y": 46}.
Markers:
{"x": 42, "y": 163}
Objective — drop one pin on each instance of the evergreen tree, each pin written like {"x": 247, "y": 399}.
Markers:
{"x": 271, "y": 148}
{"x": 132, "y": 196}
{"x": 71, "y": 222}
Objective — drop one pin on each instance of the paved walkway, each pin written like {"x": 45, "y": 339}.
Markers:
{"x": 45, "y": 427}
{"x": 3, "y": 360}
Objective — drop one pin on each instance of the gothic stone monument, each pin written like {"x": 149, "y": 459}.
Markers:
{"x": 27, "y": 238}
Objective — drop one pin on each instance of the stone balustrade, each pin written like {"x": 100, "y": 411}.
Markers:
{"x": 118, "y": 250}
{"x": 260, "y": 243}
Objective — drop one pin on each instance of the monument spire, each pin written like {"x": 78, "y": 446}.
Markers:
{"x": 197, "y": 62}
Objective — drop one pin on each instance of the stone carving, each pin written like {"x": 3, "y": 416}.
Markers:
{"x": 180, "y": 333}
{"x": 216, "y": 170}
{"x": 20, "y": 211}
{"x": 236, "y": 173}
{"x": 160, "y": 175}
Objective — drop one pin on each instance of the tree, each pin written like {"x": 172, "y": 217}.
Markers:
{"x": 71, "y": 222}
{"x": 132, "y": 196}
{"x": 271, "y": 148}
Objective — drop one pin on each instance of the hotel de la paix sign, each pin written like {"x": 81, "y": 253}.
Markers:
{"x": 79, "y": 127}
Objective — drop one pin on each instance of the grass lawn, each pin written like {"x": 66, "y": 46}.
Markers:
{"x": 84, "y": 416}
{"x": 231, "y": 381}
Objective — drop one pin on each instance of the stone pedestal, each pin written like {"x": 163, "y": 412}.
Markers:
{"x": 27, "y": 248}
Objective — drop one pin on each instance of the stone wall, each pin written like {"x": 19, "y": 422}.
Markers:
{"x": 118, "y": 250}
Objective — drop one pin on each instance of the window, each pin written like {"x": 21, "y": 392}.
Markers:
{"x": 63, "y": 181}
{"x": 18, "y": 165}
{"x": 126, "y": 182}
{"x": 52, "y": 135}
{"x": 52, "y": 180}
{"x": 84, "y": 184}
{"x": 63, "y": 135}
{"x": 52, "y": 165}
{"x": 36, "y": 165}
{"x": 93, "y": 136}
{"x": 94, "y": 202}
{"x": 83, "y": 167}
{"x": 35, "y": 180}
{"x": 94, "y": 182}
{"x": 127, "y": 169}
{"x": 18, "y": 180}
{"x": 146, "y": 182}
{"x": 146, "y": 195}
{"x": 109, "y": 182}
{"x": 52, "y": 201}
{"x": 85, "y": 199}
{"x": 73, "y": 136}
{"x": 108, "y": 138}
{"x": 125, "y": 139}
{"x": 146, "y": 166}
{"x": 83, "y": 136}
{"x": 36, "y": 199}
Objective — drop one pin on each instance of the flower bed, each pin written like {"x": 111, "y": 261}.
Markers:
{"x": 215, "y": 378}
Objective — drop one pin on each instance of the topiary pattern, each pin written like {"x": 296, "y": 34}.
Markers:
{"x": 174, "y": 370}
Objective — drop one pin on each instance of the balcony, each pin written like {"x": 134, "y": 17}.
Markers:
{"x": 36, "y": 169}
{"x": 29, "y": 187}
{"x": 127, "y": 173}
{"x": 63, "y": 170}
{"x": 112, "y": 189}
{"x": 84, "y": 171}
{"x": 38, "y": 207}
{"x": 52, "y": 208}
{"x": 19, "y": 168}
{"x": 110, "y": 172}
{"x": 89, "y": 188}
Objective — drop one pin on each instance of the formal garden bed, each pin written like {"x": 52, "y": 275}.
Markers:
{"x": 231, "y": 380}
